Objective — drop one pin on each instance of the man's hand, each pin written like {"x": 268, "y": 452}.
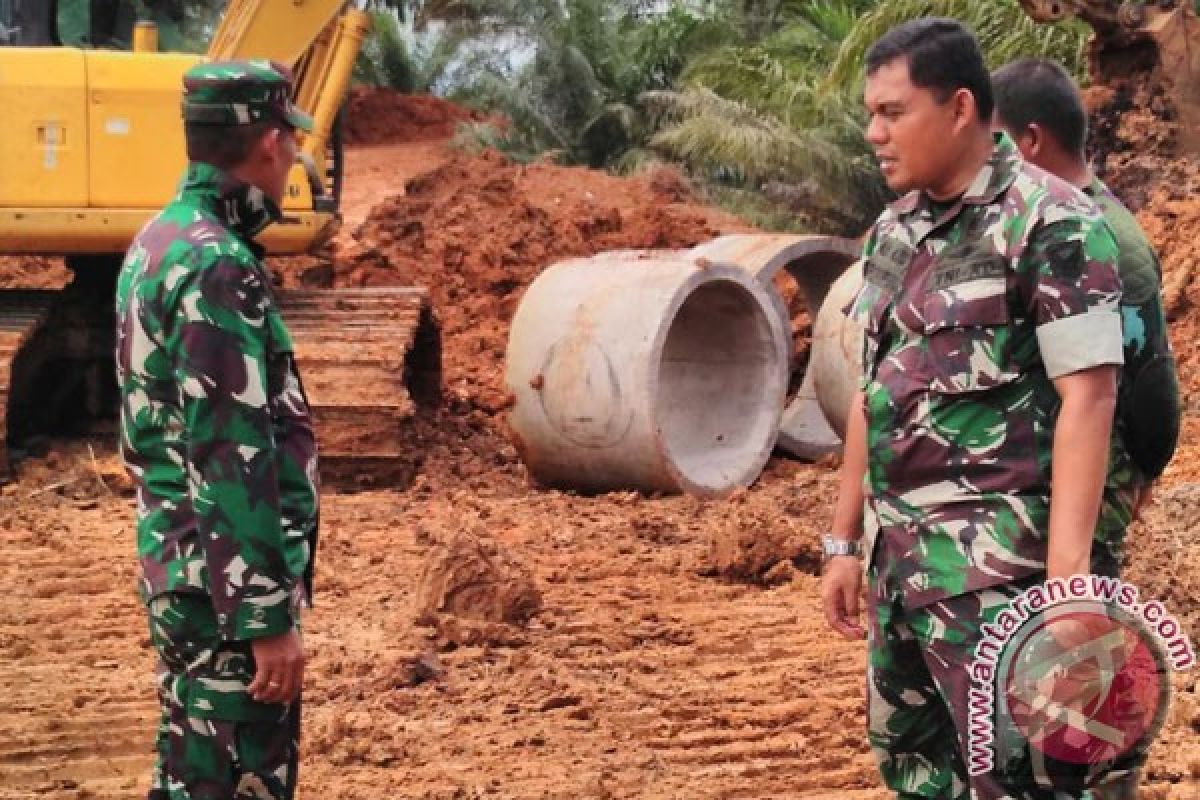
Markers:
{"x": 279, "y": 668}
{"x": 841, "y": 580}
{"x": 841, "y": 585}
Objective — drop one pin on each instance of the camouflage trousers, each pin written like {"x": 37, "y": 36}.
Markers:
{"x": 214, "y": 741}
{"x": 918, "y": 705}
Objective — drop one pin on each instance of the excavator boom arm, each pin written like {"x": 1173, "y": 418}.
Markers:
{"x": 320, "y": 39}
{"x": 281, "y": 30}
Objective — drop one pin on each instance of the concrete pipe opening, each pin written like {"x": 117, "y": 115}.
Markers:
{"x": 718, "y": 362}
{"x": 646, "y": 371}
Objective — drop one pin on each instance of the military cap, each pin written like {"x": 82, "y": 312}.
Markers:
{"x": 240, "y": 93}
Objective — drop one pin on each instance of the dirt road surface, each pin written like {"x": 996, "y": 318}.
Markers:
{"x": 673, "y": 648}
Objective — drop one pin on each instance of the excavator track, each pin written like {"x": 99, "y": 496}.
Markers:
{"x": 22, "y": 313}
{"x": 370, "y": 360}
{"x": 371, "y": 367}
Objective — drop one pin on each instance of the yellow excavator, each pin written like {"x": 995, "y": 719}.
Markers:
{"x": 92, "y": 146}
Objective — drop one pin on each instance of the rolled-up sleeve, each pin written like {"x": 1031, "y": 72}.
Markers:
{"x": 1076, "y": 293}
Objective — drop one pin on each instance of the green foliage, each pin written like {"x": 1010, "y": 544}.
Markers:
{"x": 1004, "y": 31}
{"x": 760, "y": 100}
{"x": 778, "y": 113}
{"x": 403, "y": 62}
{"x": 809, "y": 157}
{"x": 588, "y": 61}
{"x": 183, "y": 25}
{"x": 384, "y": 59}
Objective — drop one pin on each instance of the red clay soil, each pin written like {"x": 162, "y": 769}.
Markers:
{"x": 477, "y": 637}
{"x": 382, "y": 116}
{"x": 477, "y": 230}
{"x": 33, "y": 272}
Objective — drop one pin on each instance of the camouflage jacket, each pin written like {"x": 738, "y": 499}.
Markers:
{"x": 215, "y": 428}
{"x": 970, "y": 311}
{"x": 1148, "y": 406}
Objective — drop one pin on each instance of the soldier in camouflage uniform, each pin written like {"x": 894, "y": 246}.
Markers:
{"x": 217, "y": 435}
{"x": 993, "y": 341}
{"x": 1039, "y": 106}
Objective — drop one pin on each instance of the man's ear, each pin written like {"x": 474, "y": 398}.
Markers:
{"x": 1033, "y": 140}
{"x": 263, "y": 148}
{"x": 966, "y": 111}
{"x": 272, "y": 143}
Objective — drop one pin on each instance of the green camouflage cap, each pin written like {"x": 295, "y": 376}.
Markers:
{"x": 240, "y": 93}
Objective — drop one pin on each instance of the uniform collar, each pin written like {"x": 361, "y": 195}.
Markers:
{"x": 240, "y": 206}
{"x": 992, "y": 180}
{"x": 1096, "y": 188}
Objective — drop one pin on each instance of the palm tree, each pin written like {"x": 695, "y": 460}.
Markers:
{"x": 780, "y": 117}
{"x": 407, "y": 61}
{"x": 1004, "y": 31}
{"x": 585, "y": 62}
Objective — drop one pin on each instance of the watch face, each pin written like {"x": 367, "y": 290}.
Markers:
{"x": 838, "y": 547}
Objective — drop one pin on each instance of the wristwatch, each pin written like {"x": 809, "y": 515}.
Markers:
{"x": 839, "y": 547}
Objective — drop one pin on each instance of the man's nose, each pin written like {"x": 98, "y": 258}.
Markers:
{"x": 876, "y": 130}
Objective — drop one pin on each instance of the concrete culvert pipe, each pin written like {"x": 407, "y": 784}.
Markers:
{"x": 646, "y": 371}
{"x": 836, "y": 360}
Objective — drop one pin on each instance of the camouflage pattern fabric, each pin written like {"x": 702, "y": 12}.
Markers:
{"x": 1148, "y": 406}
{"x": 918, "y": 704}
{"x": 215, "y": 429}
{"x": 1146, "y": 428}
{"x": 213, "y": 741}
{"x": 240, "y": 93}
{"x": 970, "y": 311}
{"x": 218, "y": 437}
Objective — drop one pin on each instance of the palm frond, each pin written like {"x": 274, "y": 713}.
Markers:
{"x": 734, "y": 142}
{"x": 385, "y": 58}
{"x": 1004, "y": 32}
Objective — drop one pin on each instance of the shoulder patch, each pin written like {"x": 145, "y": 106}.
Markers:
{"x": 1066, "y": 259}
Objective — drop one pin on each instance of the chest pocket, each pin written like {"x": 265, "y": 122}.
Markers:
{"x": 869, "y": 309}
{"x": 967, "y": 323}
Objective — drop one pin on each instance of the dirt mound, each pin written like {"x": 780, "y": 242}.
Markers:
{"x": 1145, "y": 156}
{"x": 1151, "y": 162}
{"x": 1168, "y": 554}
{"x": 382, "y": 116}
{"x": 477, "y": 230}
{"x": 760, "y": 546}
{"x": 470, "y": 579}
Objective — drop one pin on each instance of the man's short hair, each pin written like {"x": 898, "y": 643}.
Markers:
{"x": 224, "y": 146}
{"x": 942, "y": 56}
{"x": 1038, "y": 90}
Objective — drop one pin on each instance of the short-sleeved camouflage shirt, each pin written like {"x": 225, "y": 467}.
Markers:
{"x": 215, "y": 429}
{"x": 970, "y": 311}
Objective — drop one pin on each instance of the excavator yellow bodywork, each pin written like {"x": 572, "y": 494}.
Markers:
{"x": 92, "y": 146}
{"x": 93, "y": 139}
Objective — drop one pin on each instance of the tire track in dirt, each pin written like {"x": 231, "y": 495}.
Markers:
{"x": 77, "y": 681}
{"x": 639, "y": 678}
{"x": 642, "y": 676}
